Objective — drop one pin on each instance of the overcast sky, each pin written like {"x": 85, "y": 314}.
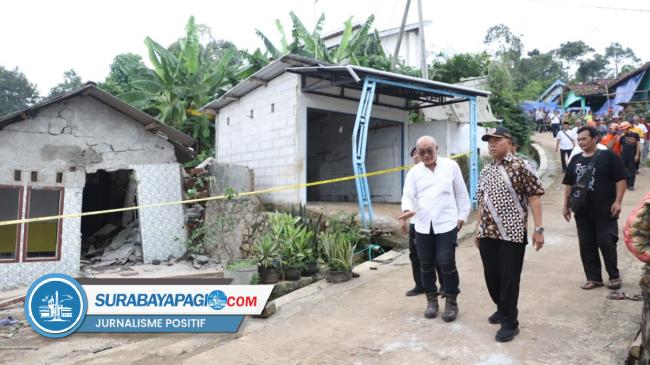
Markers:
{"x": 44, "y": 38}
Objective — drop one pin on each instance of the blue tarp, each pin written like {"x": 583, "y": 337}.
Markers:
{"x": 624, "y": 93}
{"x": 528, "y": 106}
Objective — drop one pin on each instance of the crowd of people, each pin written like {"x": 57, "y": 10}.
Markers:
{"x": 600, "y": 159}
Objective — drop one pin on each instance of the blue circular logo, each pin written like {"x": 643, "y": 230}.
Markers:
{"x": 217, "y": 299}
{"x": 55, "y": 305}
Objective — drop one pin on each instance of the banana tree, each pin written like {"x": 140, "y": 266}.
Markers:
{"x": 180, "y": 83}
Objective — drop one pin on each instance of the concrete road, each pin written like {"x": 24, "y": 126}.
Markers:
{"x": 370, "y": 321}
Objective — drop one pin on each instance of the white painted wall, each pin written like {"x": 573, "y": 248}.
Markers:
{"x": 274, "y": 144}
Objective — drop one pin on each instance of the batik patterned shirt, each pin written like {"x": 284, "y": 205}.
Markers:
{"x": 503, "y": 191}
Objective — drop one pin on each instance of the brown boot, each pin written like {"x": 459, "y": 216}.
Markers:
{"x": 451, "y": 308}
{"x": 432, "y": 305}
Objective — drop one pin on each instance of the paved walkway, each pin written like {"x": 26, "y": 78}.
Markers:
{"x": 370, "y": 321}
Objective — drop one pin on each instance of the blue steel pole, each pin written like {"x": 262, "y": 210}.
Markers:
{"x": 473, "y": 153}
{"x": 359, "y": 143}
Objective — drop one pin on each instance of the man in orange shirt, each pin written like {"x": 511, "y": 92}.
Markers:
{"x": 612, "y": 139}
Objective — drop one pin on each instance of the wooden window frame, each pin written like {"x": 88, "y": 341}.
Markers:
{"x": 21, "y": 190}
{"x": 57, "y": 256}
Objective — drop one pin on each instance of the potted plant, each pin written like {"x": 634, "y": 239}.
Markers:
{"x": 338, "y": 250}
{"x": 267, "y": 252}
{"x": 241, "y": 271}
{"x": 294, "y": 251}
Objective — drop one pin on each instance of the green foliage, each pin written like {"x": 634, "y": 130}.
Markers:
{"x": 615, "y": 53}
{"x": 504, "y": 105}
{"x": 267, "y": 252}
{"x": 504, "y": 45}
{"x": 338, "y": 249}
{"x": 70, "y": 81}
{"x": 184, "y": 78}
{"x": 295, "y": 240}
{"x": 125, "y": 69}
{"x": 592, "y": 68}
{"x": 453, "y": 69}
{"x": 16, "y": 92}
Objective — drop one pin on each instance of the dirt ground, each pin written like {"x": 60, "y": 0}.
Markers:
{"x": 369, "y": 320}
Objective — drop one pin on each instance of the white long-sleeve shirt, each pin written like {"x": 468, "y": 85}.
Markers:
{"x": 439, "y": 197}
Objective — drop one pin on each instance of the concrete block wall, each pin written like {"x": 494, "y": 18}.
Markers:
{"x": 266, "y": 142}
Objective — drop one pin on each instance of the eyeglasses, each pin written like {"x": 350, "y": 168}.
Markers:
{"x": 428, "y": 151}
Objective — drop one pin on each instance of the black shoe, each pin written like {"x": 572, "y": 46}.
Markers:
{"x": 495, "y": 318}
{"x": 415, "y": 291}
{"x": 451, "y": 308}
{"x": 432, "y": 306}
{"x": 631, "y": 188}
{"x": 505, "y": 334}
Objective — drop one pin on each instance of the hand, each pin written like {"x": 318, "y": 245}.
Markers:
{"x": 555, "y": 149}
{"x": 403, "y": 226}
{"x": 566, "y": 213}
{"x": 477, "y": 242}
{"x": 406, "y": 215}
{"x": 616, "y": 209}
{"x": 636, "y": 158}
{"x": 538, "y": 240}
{"x": 460, "y": 223}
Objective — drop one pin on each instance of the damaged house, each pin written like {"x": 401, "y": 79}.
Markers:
{"x": 86, "y": 151}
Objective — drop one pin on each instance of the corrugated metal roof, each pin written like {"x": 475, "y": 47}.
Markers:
{"x": 390, "y": 76}
{"x": 260, "y": 78}
{"x": 179, "y": 139}
{"x": 302, "y": 65}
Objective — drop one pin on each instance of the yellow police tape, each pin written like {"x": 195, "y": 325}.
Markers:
{"x": 220, "y": 197}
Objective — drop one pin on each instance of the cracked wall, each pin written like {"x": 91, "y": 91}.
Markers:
{"x": 81, "y": 135}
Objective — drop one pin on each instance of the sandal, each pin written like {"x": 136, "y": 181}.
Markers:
{"x": 592, "y": 285}
{"x": 615, "y": 283}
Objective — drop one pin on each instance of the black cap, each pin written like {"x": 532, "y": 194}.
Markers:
{"x": 498, "y": 132}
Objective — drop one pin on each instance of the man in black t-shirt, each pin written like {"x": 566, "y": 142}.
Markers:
{"x": 597, "y": 221}
{"x": 630, "y": 152}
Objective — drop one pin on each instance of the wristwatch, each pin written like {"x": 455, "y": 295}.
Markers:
{"x": 539, "y": 229}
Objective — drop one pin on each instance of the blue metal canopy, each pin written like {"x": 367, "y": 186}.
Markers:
{"x": 418, "y": 93}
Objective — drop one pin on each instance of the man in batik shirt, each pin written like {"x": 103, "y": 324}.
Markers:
{"x": 507, "y": 186}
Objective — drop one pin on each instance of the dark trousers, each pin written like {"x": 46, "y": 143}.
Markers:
{"x": 564, "y": 157}
{"x": 415, "y": 261}
{"x": 630, "y": 166}
{"x": 502, "y": 264}
{"x": 555, "y": 128}
{"x": 438, "y": 249}
{"x": 595, "y": 234}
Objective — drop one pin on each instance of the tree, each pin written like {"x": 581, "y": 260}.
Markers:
{"x": 504, "y": 45}
{"x": 70, "y": 81}
{"x": 462, "y": 65}
{"x": 591, "y": 69}
{"x": 126, "y": 67}
{"x": 357, "y": 47}
{"x": 504, "y": 105}
{"x": 616, "y": 54}
{"x": 183, "y": 80}
{"x": 535, "y": 73}
{"x": 572, "y": 52}
{"x": 16, "y": 92}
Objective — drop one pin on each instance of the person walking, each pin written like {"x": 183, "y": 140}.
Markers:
{"x": 555, "y": 123}
{"x": 602, "y": 174}
{"x": 435, "y": 187}
{"x": 565, "y": 143}
{"x": 507, "y": 186}
{"x": 630, "y": 152}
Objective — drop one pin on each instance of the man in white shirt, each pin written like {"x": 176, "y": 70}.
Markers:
{"x": 555, "y": 123}
{"x": 436, "y": 187}
{"x": 566, "y": 140}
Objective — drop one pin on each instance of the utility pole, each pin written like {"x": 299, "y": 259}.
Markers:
{"x": 423, "y": 53}
{"x": 393, "y": 60}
